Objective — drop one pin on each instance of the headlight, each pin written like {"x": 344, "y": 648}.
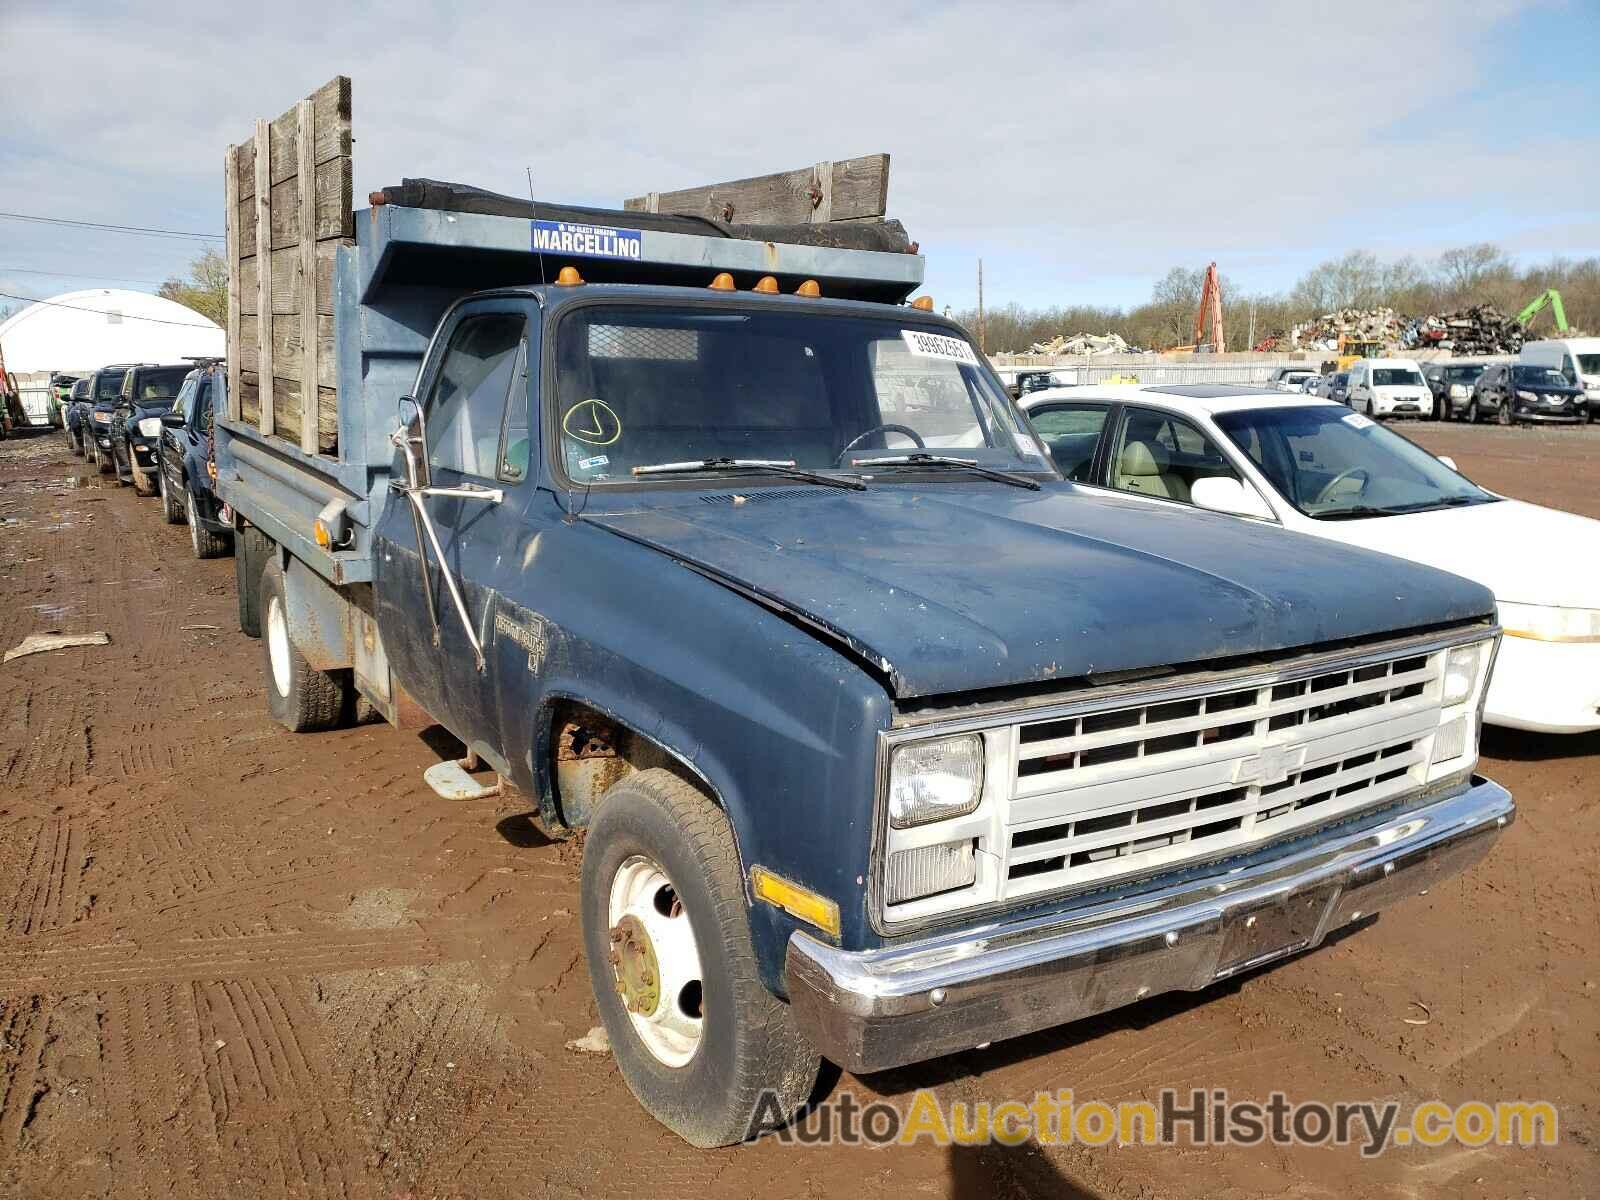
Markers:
{"x": 1466, "y": 682}
{"x": 103, "y": 417}
{"x": 1461, "y": 672}
{"x": 1457, "y": 391}
{"x": 1522, "y": 395}
{"x": 935, "y": 780}
{"x": 1542, "y": 623}
{"x": 150, "y": 427}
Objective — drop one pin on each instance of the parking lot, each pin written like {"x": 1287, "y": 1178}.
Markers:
{"x": 239, "y": 962}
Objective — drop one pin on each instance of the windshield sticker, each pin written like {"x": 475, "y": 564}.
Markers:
{"x": 1356, "y": 421}
{"x": 592, "y": 422}
{"x": 589, "y": 464}
{"x": 1029, "y": 448}
{"x": 587, "y": 241}
{"x": 937, "y": 345}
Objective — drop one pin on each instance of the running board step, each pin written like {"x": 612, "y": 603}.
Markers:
{"x": 451, "y": 781}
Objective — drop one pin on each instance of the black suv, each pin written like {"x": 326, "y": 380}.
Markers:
{"x": 73, "y": 415}
{"x": 1512, "y": 392}
{"x": 99, "y": 410}
{"x": 184, "y": 463}
{"x": 147, "y": 392}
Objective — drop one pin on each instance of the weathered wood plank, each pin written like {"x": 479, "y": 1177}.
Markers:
{"x": 846, "y": 190}
{"x": 287, "y": 340}
{"x": 333, "y": 218}
{"x": 230, "y": 174}
{"x": 309, "y": 341}
{"x": 264, "y": 278}
{"x": 249, "y": 398}
{"x": 245, "y": 216}
{"x": 245, "y": 170}
{"x": 286, "y": 280}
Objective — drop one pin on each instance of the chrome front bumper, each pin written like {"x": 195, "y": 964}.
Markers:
{"x": 876, "y": 1009}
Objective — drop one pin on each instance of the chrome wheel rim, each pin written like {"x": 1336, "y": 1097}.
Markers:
{"x": 278, "y": 646}
{"x": 655, "y": 961}
{"x": 194, "y": 523}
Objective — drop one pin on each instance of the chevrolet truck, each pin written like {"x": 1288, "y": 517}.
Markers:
{"x": 888, "y": 741}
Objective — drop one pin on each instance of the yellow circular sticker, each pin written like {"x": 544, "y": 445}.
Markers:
{"x": 592, "y": 422}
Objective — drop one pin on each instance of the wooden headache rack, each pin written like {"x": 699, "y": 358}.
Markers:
{"x": 289, "y": 209}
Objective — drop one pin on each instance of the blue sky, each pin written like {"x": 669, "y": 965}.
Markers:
{"x": 1081, "y": 149}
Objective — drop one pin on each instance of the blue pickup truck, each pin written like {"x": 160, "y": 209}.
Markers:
{"x": 888, "y": 741}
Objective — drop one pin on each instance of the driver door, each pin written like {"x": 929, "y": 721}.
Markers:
{"x": 434, "y": 594}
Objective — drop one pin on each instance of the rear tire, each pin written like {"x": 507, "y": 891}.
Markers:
{"x": 745, "y": 1045}
{"x": 300, "y": 698}
{"x": 250, "y": 552}
{"x": 205, "y": 543}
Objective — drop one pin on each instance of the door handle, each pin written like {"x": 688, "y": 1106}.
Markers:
{"x": 467, "y": 491}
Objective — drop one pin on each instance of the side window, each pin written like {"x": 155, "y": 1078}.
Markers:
{"x": 1569, "y": 368}
{"x": 467, "y": 406}
{"x": 515, "y": 442}
{"x": 184, "y": 400}
{"x": 200, "y": 412}
{"x": 1070, "y": 433}
{"x": 1157, "y": 454}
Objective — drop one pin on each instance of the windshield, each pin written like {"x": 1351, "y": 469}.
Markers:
{"x": 1331, "y": 463}
{"x": 1589, "y": 364}
{"x": 1465, "y": 374}
{"x": 1547, "y": 377}
{"x": 108, "y": 387}
{"x": 646, "y": 385}
{"x": 158, "y": 387}
{"x": 1395, "y": 377}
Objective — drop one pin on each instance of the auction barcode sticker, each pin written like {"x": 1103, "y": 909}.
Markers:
{"x": 1357, "y": 421}
{"x": 937, "y": 345}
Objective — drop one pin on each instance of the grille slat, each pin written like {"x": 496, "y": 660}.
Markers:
{"x": 1148, "y": 787}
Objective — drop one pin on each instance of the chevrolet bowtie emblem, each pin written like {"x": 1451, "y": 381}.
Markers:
{"x": 1269, "y": 766}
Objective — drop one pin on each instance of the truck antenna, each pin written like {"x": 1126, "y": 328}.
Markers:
{"x": 534, "y": 204}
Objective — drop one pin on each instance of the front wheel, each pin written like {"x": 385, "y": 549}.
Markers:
{"x": 102, "y": 460}
{"x": 1503, "y": 413}
{"x": 205, "y": 543}
{"x": 170, "y": 509}
{"x": 702, "y": 1044}
{"x": 1472, "y": 411}
{"x": 300, "y": 698}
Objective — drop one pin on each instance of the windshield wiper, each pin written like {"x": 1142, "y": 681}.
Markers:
{"x": 1346, "y": 514}
{"x": 939, "y": 460}
{"x": 775, "y": 466}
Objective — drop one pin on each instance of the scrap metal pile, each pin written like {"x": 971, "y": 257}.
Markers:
{"x": 1084, "y": 343}
{"x": 1476, "y": 329}
{"x": 1383, "y": 325}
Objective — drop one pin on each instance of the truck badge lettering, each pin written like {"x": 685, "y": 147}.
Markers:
{"x": 587, "y": 241}
{"x": 530, "y": 636}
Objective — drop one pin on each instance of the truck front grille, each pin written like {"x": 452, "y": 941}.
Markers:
{"x": 1146, "y": 787}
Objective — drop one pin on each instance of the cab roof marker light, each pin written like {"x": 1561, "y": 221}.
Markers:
{"x": 766, "y": 285}
{"x": 795, "y": 900}
{"x": 722, "y": 283}
{"x": 809, "y": 288}
{"x": 569, "y": 277}
{"x": 923, "y": 303}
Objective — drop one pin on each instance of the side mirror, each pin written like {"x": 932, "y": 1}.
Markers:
{"x": 172, "y": 420}
{"x": 1224, "y": 495}
{"x": 1450, "y": 462}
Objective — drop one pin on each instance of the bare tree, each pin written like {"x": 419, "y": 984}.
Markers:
{"x": 206, "y": 289}
{"x": 1467, "y": 269}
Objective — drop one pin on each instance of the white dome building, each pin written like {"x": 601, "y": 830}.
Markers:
{"x": 82, "y": 331}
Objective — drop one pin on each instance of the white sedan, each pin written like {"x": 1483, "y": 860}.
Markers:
{"x": 1319, "y": 468}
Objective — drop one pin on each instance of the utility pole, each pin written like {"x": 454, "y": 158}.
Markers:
{"x": 1251, "y": 345}
{"x": 983, "y": 338}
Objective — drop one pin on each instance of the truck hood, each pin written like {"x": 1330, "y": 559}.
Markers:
{"x": 1523, "y": 553}
{"x": 956, "y": 588}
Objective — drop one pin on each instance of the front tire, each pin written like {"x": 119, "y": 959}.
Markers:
{"x": 143, "y": 485}
{"x": 702, "y": 1054}
{"x": 205, "y": 543}
{"x": 1472, "y": 411}
{"x": 102, "y": 460}
{"x": 169, "y": 508}
{"x": 1503, "y": 415}
{"x": 300, "y": 698}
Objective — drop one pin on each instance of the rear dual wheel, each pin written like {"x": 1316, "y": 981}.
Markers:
{"x": 301, "y": 698}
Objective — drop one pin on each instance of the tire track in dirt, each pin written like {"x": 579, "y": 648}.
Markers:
{"x": 31, "y": 970}
{"x": 24, "y": 1036}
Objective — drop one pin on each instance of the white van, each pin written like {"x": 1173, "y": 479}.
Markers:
{"x": 1576, "y": 358}
{"x": 1389, "y": 387}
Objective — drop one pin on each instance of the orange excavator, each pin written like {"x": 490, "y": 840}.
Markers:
{"x": 1210, "y": 303}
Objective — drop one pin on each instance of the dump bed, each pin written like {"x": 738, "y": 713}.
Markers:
{"x": 349, "y": 301}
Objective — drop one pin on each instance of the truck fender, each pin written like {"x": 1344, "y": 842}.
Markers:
{"x": 320, "y": 617}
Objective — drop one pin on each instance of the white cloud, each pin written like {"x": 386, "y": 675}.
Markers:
{"x": 1075, "y": 145}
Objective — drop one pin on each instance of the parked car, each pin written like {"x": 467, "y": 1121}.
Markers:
{"x": 1338, "y": 387}
{"x": 1032, "y": 381}
{"x": 185, "y": 470}
{"x": 105, "y": 393}
{"x": 1514, "y": 392}
{"x": 74, "y": 415}
{"x": 61, "y": 386}
{"x": 1389, "y": 387}
{"x": 147, "y": 393}
{"x": 1290, "y": 379}
{"x": 781, "y": 602}
{"x": 1451, "y": 385}
{"x": 1578, "y": 359}
{"x": 1317, "y": 468}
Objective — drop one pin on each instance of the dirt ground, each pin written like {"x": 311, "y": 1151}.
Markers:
{"x": 239, "y": 962}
